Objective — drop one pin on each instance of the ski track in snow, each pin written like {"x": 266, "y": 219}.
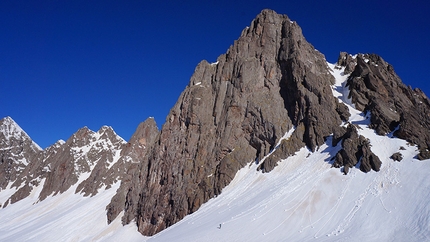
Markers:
{"x": 302, "y": 199}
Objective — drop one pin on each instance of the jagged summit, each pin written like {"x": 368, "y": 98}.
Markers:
{"x": 17, "y": 151}
{"x": 393, "y": 107}
{"x": 10, "y": 131}
{"x": 85, "y": 155}
{"x": 270, "y": 82}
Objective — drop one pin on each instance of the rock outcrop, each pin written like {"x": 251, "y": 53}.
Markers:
{"x": 355, "y": 151}
{"x": 375, "y": 88}
{"x": 397, "y": 156}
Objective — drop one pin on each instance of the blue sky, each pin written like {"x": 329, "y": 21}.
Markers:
{"x": 69, "y": 64}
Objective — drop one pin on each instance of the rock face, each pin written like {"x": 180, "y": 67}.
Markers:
{"x": 17, "y": 153}
{"x": 375, "y": 88}
{"x": 132, "y": 156}
{"x": 17, "y": 150}
{"x": 233, "y": 112}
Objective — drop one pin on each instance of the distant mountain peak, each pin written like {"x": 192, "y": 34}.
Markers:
{"x": 10, "y": 131}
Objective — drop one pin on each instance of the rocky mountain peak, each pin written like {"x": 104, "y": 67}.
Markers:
{"x": 107, "y": 133}
{"x": 86, "y": 160}
{"x": 233, "y": 112}
{"x": 11, "y": 132}
{"x": 238, "y": 110}
{"x": 17, "y": 151}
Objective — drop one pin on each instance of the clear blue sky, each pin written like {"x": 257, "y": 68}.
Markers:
{"x": 68, "y": 64}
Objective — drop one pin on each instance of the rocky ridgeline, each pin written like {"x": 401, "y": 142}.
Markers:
{"x": 90, "y": 158}
{"x": 233, "y": 112}
{"x": 393, "y": 107}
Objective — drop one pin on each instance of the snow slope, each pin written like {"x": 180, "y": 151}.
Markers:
{"x": 65, "y": 217}
{"x": 302, "y": 199}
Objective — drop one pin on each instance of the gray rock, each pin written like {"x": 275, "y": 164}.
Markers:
{"x": 132, "y": 155}
{"x": 397, "y": 156}
{"x": 347, "y": 61}
{"x": 424, "y": 154}
{"x": 355, "y": 150}
{"x": 375, "y": 87}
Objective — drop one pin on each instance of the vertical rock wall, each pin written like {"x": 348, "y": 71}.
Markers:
{"x": 232, "y": 112}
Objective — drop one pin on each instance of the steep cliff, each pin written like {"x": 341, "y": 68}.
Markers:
{"x": 234, "y": 112}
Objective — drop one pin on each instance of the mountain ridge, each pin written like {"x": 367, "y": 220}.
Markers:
{"x": 60, "y": 165}
{"x": 269, "y": 97}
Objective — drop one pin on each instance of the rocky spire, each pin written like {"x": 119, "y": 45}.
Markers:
{"x": 233, "y": 112}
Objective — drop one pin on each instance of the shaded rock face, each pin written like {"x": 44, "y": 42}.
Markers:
{"x": 233, "y": 112}
{"x": 375, "y": 88}
{"x": 355, "y": 151}
{"x": 132, "y": 155}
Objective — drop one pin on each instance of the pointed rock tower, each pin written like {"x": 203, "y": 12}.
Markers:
{"x": 233, "y": 112}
